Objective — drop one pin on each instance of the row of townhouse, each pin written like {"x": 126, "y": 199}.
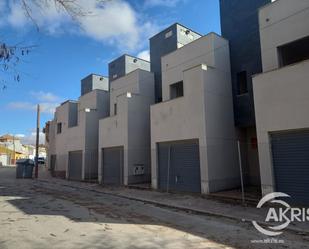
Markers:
{"x": 202, "y": 106}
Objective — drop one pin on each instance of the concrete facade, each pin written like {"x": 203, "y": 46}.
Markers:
{"x": 79, "y": 121}
{"x": 245, "y": 55}
{"x": 129, "y": 124}
{"x": 124, "y": 65}
{"x": 245, "y": 52}
{"x": 205, "y": 112}
{"x": 93, "y": 82}
{"x": 280, "y": 93}
{"x": 167, "y": 41}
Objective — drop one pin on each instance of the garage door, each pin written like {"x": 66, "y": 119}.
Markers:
{"x": 52, "y": 163}
{"x": 179, "y": 166}
{"x": 75, "y": 165}
{"x": 112, "y": 165}
{"x": 291, "y": 164}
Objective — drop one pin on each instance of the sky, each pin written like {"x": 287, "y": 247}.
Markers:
{"x": 65, "y": 51}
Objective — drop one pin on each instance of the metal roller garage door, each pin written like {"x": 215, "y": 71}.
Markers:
{"x": 112, "y": 165}
{"x": 291, "y": 164}
{"x": 75, "y": 165}
{"x": 179, "y": 166}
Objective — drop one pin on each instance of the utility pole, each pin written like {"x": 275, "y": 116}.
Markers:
{"x": 37, "y": 142}
{"x": 14, "y": 150}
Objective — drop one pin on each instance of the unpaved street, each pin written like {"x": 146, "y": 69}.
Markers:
{"x": 36, "y": 214}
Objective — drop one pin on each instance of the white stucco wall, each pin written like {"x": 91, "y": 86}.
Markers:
{"x": 281, "y": 104}
{"x": 205, "y": 112}
{"x": 84, "y": 136}
{"x": 130, "y": 128}
{"x": 280, "y": 94}
{"x": 281, "y": 22}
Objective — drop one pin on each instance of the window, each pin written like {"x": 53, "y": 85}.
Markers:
{"x": 242, "y": 82}
{"x": 168, "y": 34}
{"x": 59, "y": 128}
{"x": 73, "y": 115}
{"x": 176, "y": 90}
{"x": 115, "y": 109}
{"x": 294, "y": 52}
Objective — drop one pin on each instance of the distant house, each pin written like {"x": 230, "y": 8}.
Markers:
{"x": 8, "y": 156}
{"x": 12, "y": 149}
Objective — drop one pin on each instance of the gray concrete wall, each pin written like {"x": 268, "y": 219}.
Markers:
{"x": 281, "y": 104}
{"x": 205, "y": 111}
{"x": 133, "y": 63}
{"x": 124, "y": 65}
{"x": 130, "y": 127}
{"x": 61, "y": 116}
{"x": 221, "y": 147}
{"x": 98, "y": 103}
{"x": 185, "y": 35}
{"x": 163, "y": 43}
{"x": 240, "y": 26}
{"x": 84, "y": 136}
{"x": 51, "y": 149}
{"x": 93, "y": 82}
{"x": 139, "y": 136}
{"x": 281, "y": 22}
{"x": 280, "y": 94}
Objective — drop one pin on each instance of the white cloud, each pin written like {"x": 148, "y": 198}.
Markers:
{"x": 48, "y": 108}
{"x": 30, "y": 138}
{"x": 144, "y": 55}
{"x": 111, "y": 22}
{"x": 2, "y": 5}
{"x": 163, "y": 3}
{"x": 48, "y": 18}
{"x": 47, "y": 100}
{"x": 16, "y": 17}
{"x": 45, "y": 96}
{"x": 20, "y": 135}
{"x": 22, "y": 105}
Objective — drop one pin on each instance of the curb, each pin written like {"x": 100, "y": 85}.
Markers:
{"x": 180, "y": 208}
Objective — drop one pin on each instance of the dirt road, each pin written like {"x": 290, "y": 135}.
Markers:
{"x": 36, "y": 214}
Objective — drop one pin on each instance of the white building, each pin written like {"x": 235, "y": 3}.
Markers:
{"x": 124, "y": 137}
{"x": 281, "y": 96}
{"x": 193, "y": 140}
{"x": 73, "y": 134}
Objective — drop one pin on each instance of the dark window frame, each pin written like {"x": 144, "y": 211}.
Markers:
{"x": 176, "y": 90}
{"x": 59, "y": 128}
{"x": 115, "y": 109}
{"x": 293, "y": 52}
{"x": 242, "y": 82}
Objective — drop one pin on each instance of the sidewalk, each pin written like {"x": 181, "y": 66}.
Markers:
{"x": 184, "y": 202}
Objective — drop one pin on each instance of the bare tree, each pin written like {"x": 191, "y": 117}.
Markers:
{"x": 72, "y": 8}
{"x": 11, "y": 55}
